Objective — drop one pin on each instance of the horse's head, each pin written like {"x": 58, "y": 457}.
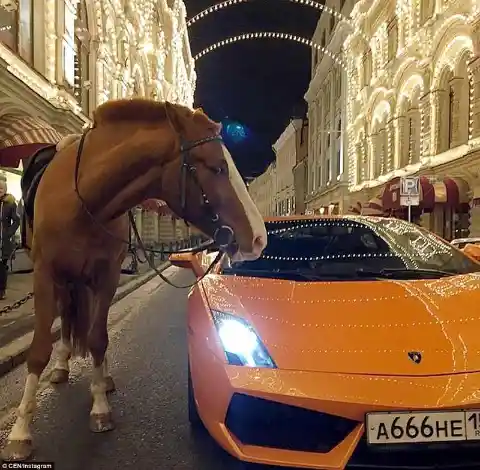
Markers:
{"x": 202, "y": 185}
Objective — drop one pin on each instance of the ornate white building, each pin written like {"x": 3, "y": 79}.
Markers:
{"x": 413, "y": 108}
{"x": 60, "y": 59}
{"x": 327, "y": 156}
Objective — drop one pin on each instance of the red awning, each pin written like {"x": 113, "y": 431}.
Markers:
{"x": 21, "y": 136}
{"x": 453, "y": 192}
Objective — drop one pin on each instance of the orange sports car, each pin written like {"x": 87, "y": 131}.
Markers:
{"x": 352, "y": 342}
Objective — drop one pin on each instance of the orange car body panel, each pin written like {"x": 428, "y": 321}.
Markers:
{"x": 341, "y": 348}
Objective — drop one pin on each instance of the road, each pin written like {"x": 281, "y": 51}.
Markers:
{"x": 148, "y": 362}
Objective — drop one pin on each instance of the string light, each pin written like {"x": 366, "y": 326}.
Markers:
{"x": 229, "y": 3}
{"x": 270, "y": 35}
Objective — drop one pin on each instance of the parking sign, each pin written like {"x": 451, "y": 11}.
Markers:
{"x": 410, "y": 191}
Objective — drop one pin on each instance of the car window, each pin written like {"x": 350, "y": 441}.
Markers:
{"x": 350, "y": 249}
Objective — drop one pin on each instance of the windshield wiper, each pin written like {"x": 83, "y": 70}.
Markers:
{"x": 413, "y": 273}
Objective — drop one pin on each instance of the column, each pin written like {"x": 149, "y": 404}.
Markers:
{"x": 459, "y": 123}
{"x": 426, "y": 126}
{"x": 400, "y": 142}
{"x": 438, "y": 138}
{"x": 388, "y": 164}
{"x": 474, "y": 67}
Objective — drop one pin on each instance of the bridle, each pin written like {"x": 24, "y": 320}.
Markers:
{"x": 223, "y": 236}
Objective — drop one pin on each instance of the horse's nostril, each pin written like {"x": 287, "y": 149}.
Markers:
{"x": 259, "y": 243}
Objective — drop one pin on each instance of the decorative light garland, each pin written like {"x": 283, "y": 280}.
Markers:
{"x": 270, "y": 35}
{"x": 229, "y": 3}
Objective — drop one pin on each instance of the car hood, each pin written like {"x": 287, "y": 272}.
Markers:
{"x": 365, "y": 327}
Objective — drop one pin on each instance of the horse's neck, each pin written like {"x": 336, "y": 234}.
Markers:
{"x": 124, "y": 171}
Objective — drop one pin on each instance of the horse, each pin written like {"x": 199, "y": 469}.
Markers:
{"x": 78, "y": 198}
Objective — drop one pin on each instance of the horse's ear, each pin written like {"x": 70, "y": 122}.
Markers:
{"x": 174, "y": 116}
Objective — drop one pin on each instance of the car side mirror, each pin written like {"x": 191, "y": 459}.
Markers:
{"x": 187, "y": 261}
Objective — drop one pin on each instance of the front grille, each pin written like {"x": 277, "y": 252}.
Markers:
{"x": 264, "y": 423}
{"x": 464, "y": 456}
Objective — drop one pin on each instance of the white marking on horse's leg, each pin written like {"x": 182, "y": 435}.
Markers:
{"x": 21, "y": 428}
{"x": 61, "y": 370}
{"x": 100, "y": 415}
{"x": 64, "y": 351}
{"x": 109, "y": 382}
{"x": 259, "y": 232}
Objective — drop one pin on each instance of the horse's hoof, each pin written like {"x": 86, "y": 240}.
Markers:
{"x": 59, "y": 376}
{"x": 110, "y": 384}
{"x": 17, "y": 450}
{"x": 101, "y": 422}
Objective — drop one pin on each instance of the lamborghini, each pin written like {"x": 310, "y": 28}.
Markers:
{"x": 351, "y": 342}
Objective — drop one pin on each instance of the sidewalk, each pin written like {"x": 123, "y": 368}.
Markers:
{"x": 19, "y": 321}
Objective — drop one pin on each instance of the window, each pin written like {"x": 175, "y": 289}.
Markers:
{"x": 25, "y": 30}
{"x": 342, "y": 4}
{"x": 332, "y": 23}
{"x": 8, "y": 28}
{"x": 346, "y": 250}
{"x": 69, "y": 44}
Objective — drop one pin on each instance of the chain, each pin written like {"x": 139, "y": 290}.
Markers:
{"x": 16, "y": 304}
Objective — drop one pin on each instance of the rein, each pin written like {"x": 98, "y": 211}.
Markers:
{"x": 186, "y": 170}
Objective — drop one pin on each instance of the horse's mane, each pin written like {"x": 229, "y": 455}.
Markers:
{"x": 137, "y": 109}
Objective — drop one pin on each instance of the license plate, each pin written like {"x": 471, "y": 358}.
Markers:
{"x": 418, "y": 427}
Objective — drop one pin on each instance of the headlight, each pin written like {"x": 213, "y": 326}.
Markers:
{"x": 241, "y": 344}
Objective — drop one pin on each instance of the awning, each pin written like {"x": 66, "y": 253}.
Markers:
{"x": 157, "y": 206}
{"x": 374, "y": 207}
{"x": 21, "y": 136}
{"x": 355, "y": 208}
{"x": 453, "y": 192}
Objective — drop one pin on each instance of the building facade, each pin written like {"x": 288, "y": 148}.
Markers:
{"x": 327, "y": 186}
{"x": 281, "y": 188}
{"x": 285, "y": 149}
{"x": 300, "y": 170}
{"x": 413, "y": 108}
{"x": 263, "y": 190}
{"x": 60, "y": 59}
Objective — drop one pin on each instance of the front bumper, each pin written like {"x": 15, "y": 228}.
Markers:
{"x": 316, "y": 420}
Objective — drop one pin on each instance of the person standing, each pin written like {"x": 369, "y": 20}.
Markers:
{"x": 9, "y": 223}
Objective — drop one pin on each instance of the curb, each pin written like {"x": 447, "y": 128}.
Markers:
{"x": 15, "y": 354}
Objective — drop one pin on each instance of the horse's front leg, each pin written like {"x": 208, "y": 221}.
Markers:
{"x": 19, "y": 445}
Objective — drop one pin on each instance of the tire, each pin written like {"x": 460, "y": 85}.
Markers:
{"x": 196, "y": 422}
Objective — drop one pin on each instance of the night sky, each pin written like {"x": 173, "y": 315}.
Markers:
{"x": 258, "y": 83}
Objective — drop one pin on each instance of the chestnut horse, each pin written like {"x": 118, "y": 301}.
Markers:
{"x": 136, "y": 150}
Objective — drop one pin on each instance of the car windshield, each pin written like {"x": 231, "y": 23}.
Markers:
{"x": 350, "y": 248}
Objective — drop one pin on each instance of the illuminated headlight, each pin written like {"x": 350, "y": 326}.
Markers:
{"x": 241, "y": 344}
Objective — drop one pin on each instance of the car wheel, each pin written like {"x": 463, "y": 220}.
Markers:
{"x": 193, "y": 416}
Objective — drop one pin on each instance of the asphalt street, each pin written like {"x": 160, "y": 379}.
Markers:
{"x": 148, "y": 361}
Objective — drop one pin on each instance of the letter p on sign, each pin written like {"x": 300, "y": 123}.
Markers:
{"x": 410, "y": 186}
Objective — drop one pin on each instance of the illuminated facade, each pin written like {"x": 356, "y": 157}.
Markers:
{"x": 413, "y": 108}
{"x": 327, "y": 187}
{"x": 69, "y": 56}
